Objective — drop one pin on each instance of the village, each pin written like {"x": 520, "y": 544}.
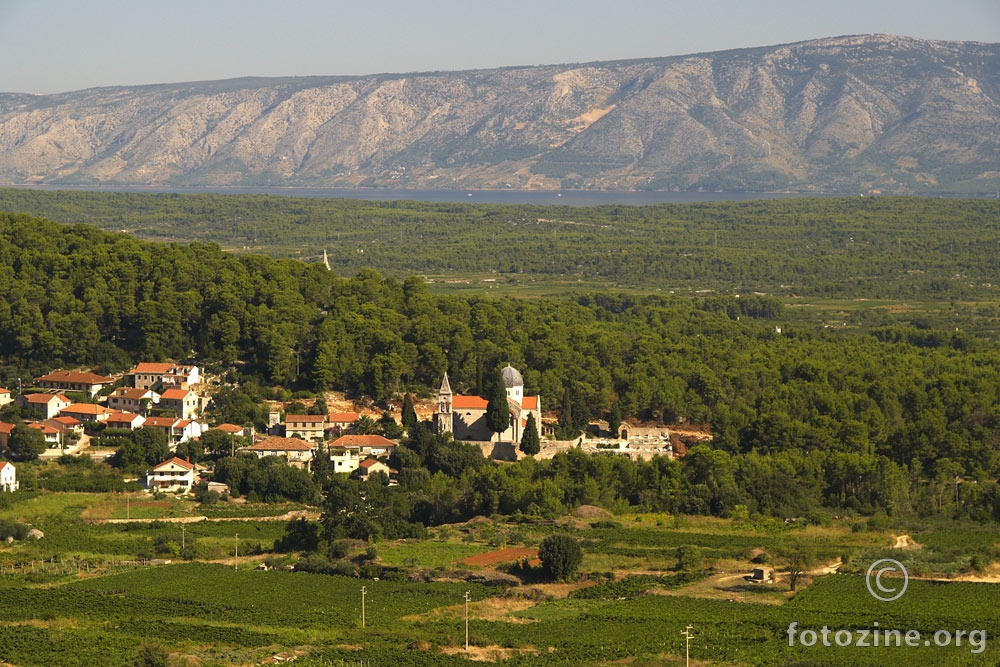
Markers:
{"x": 68, "y": 408}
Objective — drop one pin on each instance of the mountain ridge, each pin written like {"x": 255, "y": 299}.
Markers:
{"x": 845, "y": 114}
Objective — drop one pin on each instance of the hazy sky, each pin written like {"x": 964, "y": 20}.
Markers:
{"x": 51, "y": 46}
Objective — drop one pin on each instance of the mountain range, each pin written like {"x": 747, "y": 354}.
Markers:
{"x": 870, "y": 113}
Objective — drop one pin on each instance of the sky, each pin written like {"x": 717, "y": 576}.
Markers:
{"x": 49, "y": 46}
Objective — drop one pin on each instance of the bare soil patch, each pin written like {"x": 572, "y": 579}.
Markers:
{"x": 489, "y": 653}
{"x": 506, "y": 555}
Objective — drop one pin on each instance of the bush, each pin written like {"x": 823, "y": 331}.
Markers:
{"x": 561, "y": 556}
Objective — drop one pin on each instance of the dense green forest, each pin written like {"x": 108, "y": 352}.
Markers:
{"x": 883, "y": 417}
{"x": 872, "y": 247}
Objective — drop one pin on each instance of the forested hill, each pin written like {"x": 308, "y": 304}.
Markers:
{"x": 921, "y": 398}
{"x": 846, "y": 114}
{"x": 849, "y": 247}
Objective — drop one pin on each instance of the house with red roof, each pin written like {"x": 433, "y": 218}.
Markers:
{"x": 50, "y": 434}
{"x": 339, "y": 423}
{"x": 157, "y": 376}
{"x": 176, "y": 430}
{"x": 5, "y": 431}
{"x": 5, "y": 398}
{"x": 369, "y": 466}
{"x": 374, "y": 445}
{"x": 183, "y": 402}
{"x": 86, "y": 412}
{"x": 89, "y": 383}
{"x": 308, "y": 427}
{"x": 133, "y": 400}
{"x": 174, "y": 474}
{"x": 125, "y": 420}
{"x": 465, "y": 416}
{"x": 297, "y": 452}
{"x": 47, "y": 405}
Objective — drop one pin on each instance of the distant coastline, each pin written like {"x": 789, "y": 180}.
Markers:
{"x": 534, "y": 197}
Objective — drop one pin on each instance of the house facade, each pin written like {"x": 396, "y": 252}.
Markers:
{"x": 308, "y": 427}
{"x": 172, "y": 475}
{"x": 297, "y": 452}
{"x": 5, "y": 397}
{"x": 8, "y": 477}
{"x": 369, "y": 445}
{"x": 183, "y": 402}
{"x": 86, "y": 412}
{"x": 133, "y": 400}
{"x": 125, "y": 420}
{"x": 89, "y": 383}
{"x": 339, "y": 423}
{"x": 47, "y": 405}
{"x": 5, "y": 431}
{"x": 51, "y": 434}
{"x": 465, "y": 416}
{"x": 148, "y": 375}
{"x": 345, "y": 459}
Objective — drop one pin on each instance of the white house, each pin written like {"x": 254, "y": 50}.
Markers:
{"x": 183, "y": 402}
{"x": 49, "y": 405}
{"x": 148, "y": 375}
{"x": 8, "y": 477}
{"x": 345, "y": 459}
{"x": 172, "y": 475}
{"x": 4, "y": 397}
{"x": 307, "y": 427}
{"x": 133, "y": 400}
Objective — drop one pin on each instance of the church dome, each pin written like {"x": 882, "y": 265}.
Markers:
{"x": 511, "y": 377}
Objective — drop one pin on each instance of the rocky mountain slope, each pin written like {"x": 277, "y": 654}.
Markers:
{"x": 846, "y": 114}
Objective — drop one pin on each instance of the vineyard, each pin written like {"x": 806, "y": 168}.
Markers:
{"x": 85, "y": 594}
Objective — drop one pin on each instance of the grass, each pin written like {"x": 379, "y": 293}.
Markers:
{"x": 429, "y": 553}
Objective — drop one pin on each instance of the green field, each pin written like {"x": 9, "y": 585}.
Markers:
{"x": 93, "y": 605}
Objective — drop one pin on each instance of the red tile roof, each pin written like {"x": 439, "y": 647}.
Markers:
{"x": 342, "y": 417}
{"x": 150, "y": 367}
{"x": 6, "y": 428}
{"x": 44, "y": 428}
{"x": 162, "y": 422}
{"x": 75, "y": 377}
{"x": 229, "y": 428}
{"x": 175, "y": 394}
{"x": 529, "y": 402}
{"x": 68, "y": 421}
{"x": 86, "y": 409}
{"x": 306, "y": 419}
{"x": 44, "y": 399}
{"x": 281, "y": 445}
{"x": 361, "y": 441}
{"x": 129, "y": 392}
{"x": 181, "y": 462}
{"x": 468, "y": 403}
{"x": 122, "y": 417}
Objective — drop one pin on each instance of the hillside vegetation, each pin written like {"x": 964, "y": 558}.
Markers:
{"x": 844, "y": 114}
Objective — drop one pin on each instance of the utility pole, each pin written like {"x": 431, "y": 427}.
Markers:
{"x": 687, "y": 645}
{"x": 363, "y": 591}
{"x": 237, "y": 553}
{"x": 466, "y": 620}
{"x": 183, "y": 528}
{"x": 128, "y": 506}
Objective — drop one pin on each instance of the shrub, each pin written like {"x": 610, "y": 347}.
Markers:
{"x": 561, "y": 556}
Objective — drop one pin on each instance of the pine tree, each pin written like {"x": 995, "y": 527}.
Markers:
{"x": 497, "y": 409}
{"x": 530, "y": 442}
{"x": 409, "y": 414}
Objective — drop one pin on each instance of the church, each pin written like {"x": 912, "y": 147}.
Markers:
{"x": 465, "y": 416}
